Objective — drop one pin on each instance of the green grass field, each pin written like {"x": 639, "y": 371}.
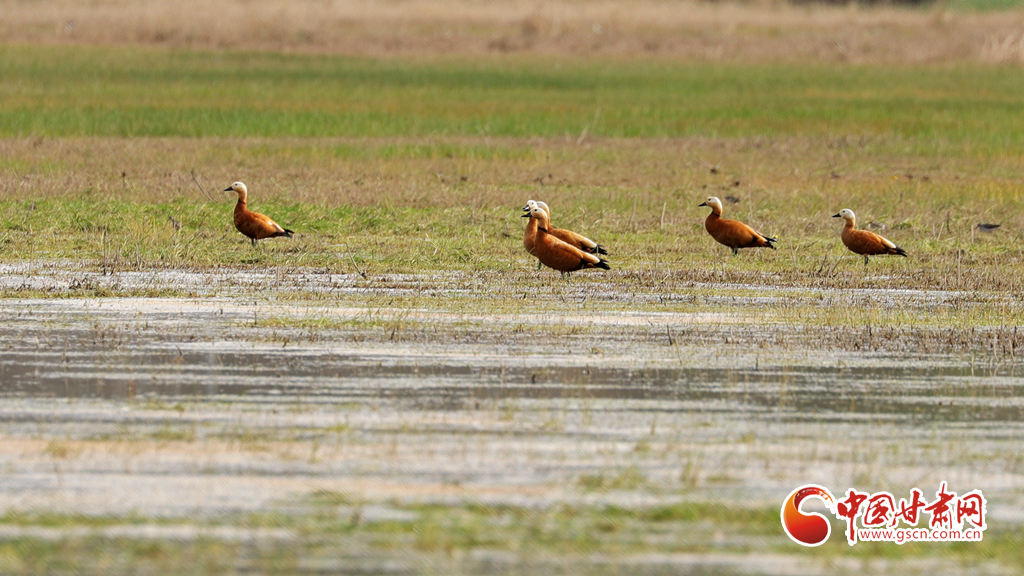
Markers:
{"x": 436, "y": 156}
{"x": 150, "y": 92}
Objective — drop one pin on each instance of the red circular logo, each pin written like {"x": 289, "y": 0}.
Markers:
{"x": 807, "y": 529}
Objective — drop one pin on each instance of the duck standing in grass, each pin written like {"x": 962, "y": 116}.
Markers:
{"x": 569, "y": 237}
{"x": 251, "y": 224}
{"x": 530, "y": 234}
{"x": 556, "y": 254}
{"x": 863, "y": 242}
{"x": 731, "y": 233}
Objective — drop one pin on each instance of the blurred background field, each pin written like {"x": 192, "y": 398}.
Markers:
{"x": 762, "y": 31}
{"x": 64, "y": 91}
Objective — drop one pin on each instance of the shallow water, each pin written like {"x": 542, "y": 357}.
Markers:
{"x": 187, "y": 409}
{"x": 913, "y": 394}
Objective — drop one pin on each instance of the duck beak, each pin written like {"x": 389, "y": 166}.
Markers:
{"x": 229, "y": 189}
{"x": 526, "y": 211}
{"x": 837, "y": 216}
{"x": 702, "y": 204}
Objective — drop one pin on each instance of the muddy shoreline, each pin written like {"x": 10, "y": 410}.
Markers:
{"x": 195, "y": 412}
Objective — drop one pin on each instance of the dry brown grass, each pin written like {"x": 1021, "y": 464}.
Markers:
{"x": 635, "y": 176}
{"x": 759, "y": 32}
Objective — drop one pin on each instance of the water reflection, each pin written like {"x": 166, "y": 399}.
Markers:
{"x": 76, "y": 368}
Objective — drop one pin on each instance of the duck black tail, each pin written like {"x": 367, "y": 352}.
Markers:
{"x": 901, "y": 252}
{"x": 603, "y": 264}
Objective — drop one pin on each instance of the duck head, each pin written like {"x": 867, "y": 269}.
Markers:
{"x": 846, "y": 214}
{"x": 714, "y": 203}
{"x": 238, "y": 188}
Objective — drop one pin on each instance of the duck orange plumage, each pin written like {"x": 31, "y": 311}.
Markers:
{"x": 251, "y": 224}
{"x": 530, "y": 234}
{"x": 731, "y": 233}
{"x": 569, "y": 237}
{"x": 863, "y": 242}
{"x": 555, "y": 253}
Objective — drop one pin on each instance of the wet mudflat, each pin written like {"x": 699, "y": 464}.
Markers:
{"x": 282, "y": 431}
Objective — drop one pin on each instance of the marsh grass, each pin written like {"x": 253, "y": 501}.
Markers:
{"x": 115, "y": 92}
{"x": 418, "y": 212}
{"x": 433, "y": 224}
{"x": 326, "y": 533}
{"x": 117, "y": 556}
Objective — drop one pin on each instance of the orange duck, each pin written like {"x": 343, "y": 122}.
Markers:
{"x": 530, "y": 234}
{"x": 863, "y": 242}
{"x": 569, "y": 237}
{"x": 251, "y": 224}
{"x": 556, "y": 254}
{"x": 731, "y": 233}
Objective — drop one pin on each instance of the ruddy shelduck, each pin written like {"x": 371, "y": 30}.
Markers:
{"x": 557, "y": 254}
{"x": 251, "y": 224}
{"x": 731, "y": 233}
{"x": 530, "y": 234}
{"x": 569, "y": 237}
{"x": 863, "y": 242}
